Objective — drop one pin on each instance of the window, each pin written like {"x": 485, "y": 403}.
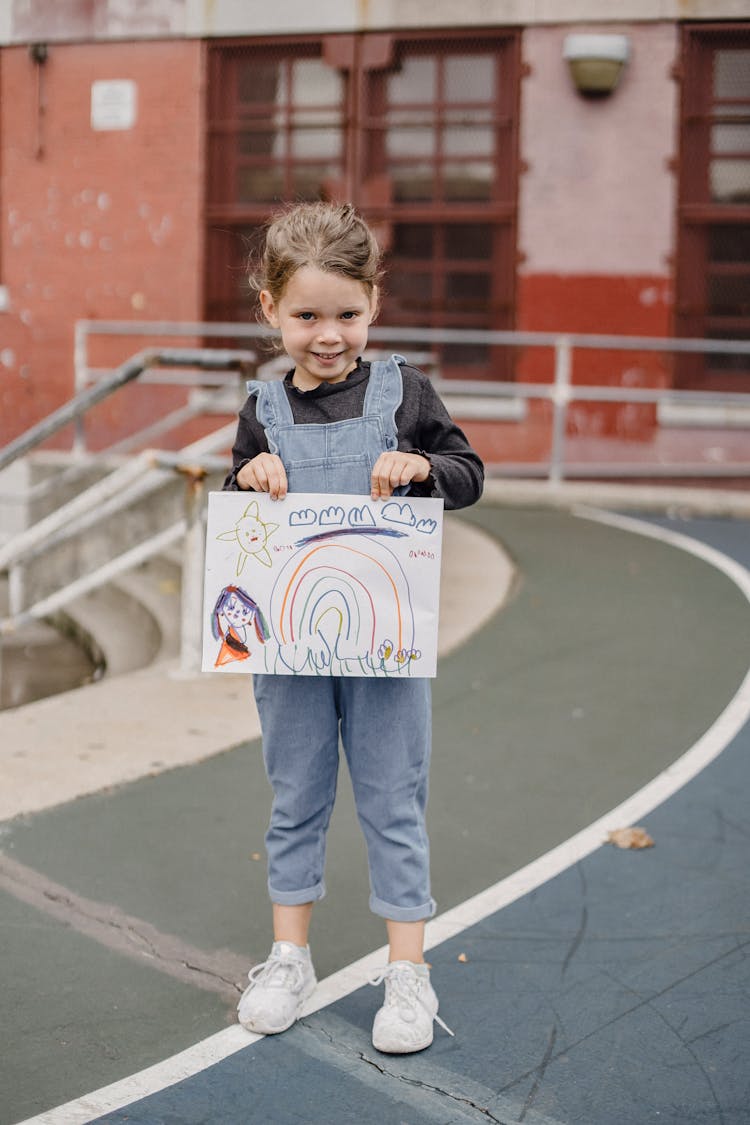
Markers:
{"x": 421, "y": 134}
{"x": 713, "y": 273}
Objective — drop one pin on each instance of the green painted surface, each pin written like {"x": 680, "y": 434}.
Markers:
{"x": 76, "y": 1016}
{"x": 614, "y": 655}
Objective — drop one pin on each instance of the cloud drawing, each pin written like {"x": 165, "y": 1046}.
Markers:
{"x": 332, "y": 517}
{"x": 399, "y": 513}
{"x": 427, "y": 526}
{"x": 361, "y": 517}
{"x": 303, "y": 517}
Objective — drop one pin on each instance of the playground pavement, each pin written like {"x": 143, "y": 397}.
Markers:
{"x": 593, "y": 676}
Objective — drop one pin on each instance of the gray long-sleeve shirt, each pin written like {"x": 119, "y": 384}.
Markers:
{"x": 422, "y": 422}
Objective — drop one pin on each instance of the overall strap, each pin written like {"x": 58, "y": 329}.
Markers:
{"x": 273, "y": 409}
{"x": 384, "y": 393}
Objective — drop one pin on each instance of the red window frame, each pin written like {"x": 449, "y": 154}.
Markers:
{"x": 704, "y": 225}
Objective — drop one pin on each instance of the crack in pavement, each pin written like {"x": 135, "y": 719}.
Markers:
{"x": 575, "y": 944}
{"x": 430, "y": 1086}
{"x": 220, "y": 971}
{"x": 685, "y": 1043}
{"x": 417, "y": 1080}
{"x": 739, "y": 949}
{"x": 541, "y": 1071}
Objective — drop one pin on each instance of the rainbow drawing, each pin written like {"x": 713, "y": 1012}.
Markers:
{"x": 341, "y": 602}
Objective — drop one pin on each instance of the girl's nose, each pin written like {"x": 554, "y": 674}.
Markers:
{"x": 328, "y": 331}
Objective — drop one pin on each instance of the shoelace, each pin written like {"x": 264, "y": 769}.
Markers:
{"x": 402, "y": 989}
{"x": 277, "y": 972}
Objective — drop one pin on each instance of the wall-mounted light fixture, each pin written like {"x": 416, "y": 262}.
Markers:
{"x": 596, "y": 61}
{"x": 38, "y": 53}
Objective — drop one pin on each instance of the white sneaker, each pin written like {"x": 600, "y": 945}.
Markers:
{"x": 404, "y": 1023}
{"x": 277, "y": 990}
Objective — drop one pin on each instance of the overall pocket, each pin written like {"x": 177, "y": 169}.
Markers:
{"x": 307, "y": 475}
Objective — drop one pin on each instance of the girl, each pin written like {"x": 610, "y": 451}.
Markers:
{"x": 339, "y": 424}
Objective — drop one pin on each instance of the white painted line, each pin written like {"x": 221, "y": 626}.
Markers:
{"x": 733, "y": 569}
{"x": 217, "y": 1047}
{"x": 149, "y": 1081}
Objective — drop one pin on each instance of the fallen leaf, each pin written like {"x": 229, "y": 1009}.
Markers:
{"x": 463, "y": 957}
{"x": 630, "y": 838}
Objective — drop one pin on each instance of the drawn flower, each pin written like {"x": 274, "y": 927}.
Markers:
{"x": 385, "y": 650}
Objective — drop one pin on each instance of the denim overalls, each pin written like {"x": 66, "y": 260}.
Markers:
{"x": 385, "y": 724}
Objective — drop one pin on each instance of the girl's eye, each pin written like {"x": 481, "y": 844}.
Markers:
{"x": 348, "y": 316}
{"x": 306, "y": 316}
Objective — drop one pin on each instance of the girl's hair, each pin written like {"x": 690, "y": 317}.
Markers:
{"x": 328, "y": 236}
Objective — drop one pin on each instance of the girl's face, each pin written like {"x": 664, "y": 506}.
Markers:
{"x": 235, "y": 611}
{"x": 324, "y": 319}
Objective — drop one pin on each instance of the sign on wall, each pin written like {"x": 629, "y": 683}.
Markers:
{"x": 113, "y": 104}
{"x": 322, "y": 585}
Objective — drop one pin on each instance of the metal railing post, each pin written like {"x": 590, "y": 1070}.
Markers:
{"x": 80, "y": 367}
{"x": 16, "y": 589}
{"x": 560, "y": 400}
{"x": 193, "y": 564}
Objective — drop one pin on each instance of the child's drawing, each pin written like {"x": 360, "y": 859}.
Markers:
{"x": 346, "y": 588}
{"x": 251, "y": 535}
{"x": 234, "y": 612}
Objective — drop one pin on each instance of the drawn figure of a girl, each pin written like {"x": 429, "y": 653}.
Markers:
{"x": 233, "y": 614}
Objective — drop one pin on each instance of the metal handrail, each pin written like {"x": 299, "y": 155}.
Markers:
{"x": 134, "y": 367}
{"x": 228, "y": 329}
{"x": 561, "y": 392}
{"x": 107, "y": 496}
{"x": 132, "y": 481}
{"x": 129, "y": 559}
{"x": 151, "y": 469}
{"x": 129, "y": 482}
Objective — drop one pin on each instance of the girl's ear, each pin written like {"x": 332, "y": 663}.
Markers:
{"x": 268, "y": 305}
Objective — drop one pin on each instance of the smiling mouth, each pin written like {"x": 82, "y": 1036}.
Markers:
{"x": 326, "y": 355}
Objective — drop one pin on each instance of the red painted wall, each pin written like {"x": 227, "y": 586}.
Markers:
{"x": 598, "y": 305}
{"x": 96, "y": 224}
{"x": 625, "y": 306}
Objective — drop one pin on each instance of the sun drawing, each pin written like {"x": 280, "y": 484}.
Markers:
{"x": 252, "y": 535}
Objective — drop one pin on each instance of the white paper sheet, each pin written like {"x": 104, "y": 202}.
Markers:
{"x": 325, "y": 585}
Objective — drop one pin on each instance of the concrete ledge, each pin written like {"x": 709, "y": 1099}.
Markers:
{"x": 672, "y": 499}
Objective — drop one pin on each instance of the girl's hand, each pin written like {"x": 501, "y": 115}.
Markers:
{"x": 265, "y": 473}
{"x": 395, "y": 468}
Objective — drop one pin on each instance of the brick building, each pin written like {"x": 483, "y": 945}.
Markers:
{"x": 142, "y": 144}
